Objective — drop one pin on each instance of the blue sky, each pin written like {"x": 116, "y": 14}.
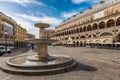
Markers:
{"x": 28, "y": 12}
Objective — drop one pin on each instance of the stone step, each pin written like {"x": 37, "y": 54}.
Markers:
{"x": 43, "y": 67}
{"x": 19, "y": 71}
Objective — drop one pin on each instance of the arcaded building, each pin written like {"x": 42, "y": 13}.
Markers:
{"x": 48, "y": 33}
{"x": 97, "y": 24}
{"x": 30, "y": 36}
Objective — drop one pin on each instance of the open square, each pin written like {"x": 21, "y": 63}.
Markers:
{"x": 94, "y": 64}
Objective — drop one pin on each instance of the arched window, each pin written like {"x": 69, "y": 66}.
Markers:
{"x": 110, "y": 23}
{"x": 77, "y": 37}
{"x": 67, "y": 32}
{"x": 101, "y": 25}
{"x": 89, "y": 28}
{"x": 77, "y": 43}
{"x": 118, "y": 22}
{"x": 106, "y": 34}
{"x": 74, "y": 31}
{"x": 77, "y": 30}
{"x": 89, "y": 36}
{"x": 80, "y": 29}
{"x": 84, "y": 29}
{"x": 118, "y": 37}
{"x": 83, "y": 37}
{"x": 95, "y": 27}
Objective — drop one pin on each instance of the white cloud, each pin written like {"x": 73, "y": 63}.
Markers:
{"x": 24, "y": 2}
{"x": 28, "y": 21}
{"x": 23, "y": 23}
{"x": 68, "y": 14}
{"x": 45, "y": 19}
{"x": 80, "y": 1}
{"x": 29, "y": 26}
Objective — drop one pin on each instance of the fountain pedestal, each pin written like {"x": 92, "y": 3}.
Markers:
{"x": 42, "y": 47}
{"x": 42, "y": 51}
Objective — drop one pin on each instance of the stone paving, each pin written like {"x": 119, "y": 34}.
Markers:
{"x": 94, "y": 64}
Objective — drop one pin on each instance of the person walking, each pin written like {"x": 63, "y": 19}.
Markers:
{"x": 32, "y": 47}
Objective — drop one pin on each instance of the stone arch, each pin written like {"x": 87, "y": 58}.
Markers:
{"x": 69, "y": 31}
{"x": 118, "y": 22}
{"x": 89, "y": 28}
{"x": 77, "y": 43}
{"x": 83, "y": 37}
{"x": 73, "y": 37}
{"x": 73, "y": 42}
{"x": 81, "y": 29}
{"x": 74, "y": 31}
{"x": 84, "y": 29}
{"x": 94, "y": 35}
{"x": 89, "y": 36}
{"x": 106, "y": 34}
{"x": 107, "y": 40}
{"x": 97, "y": 41}
{"x": 65, "y": 33}
{"x": 66, "y": 38}
{"x": 110, "y": 23}
{"x": 77, "y": 30}
{"x": 102, "y": 25}
{"x": 77, "y": 37}
{"x": 91, "y": 41}
{"x": 118, "y": 38}
{"x": 95, "y": 26}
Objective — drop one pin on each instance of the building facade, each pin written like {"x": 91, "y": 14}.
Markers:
{"x": 15, "y": 36}
{"x": 30, "y": 36}
{"x": 97, "y": 24}
{"x": 20, "y": 36}
{"x": 7, "y": 24}
{"x": 48, "y": 33}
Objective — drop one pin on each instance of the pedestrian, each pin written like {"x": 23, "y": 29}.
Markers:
{"x": 32, "y": 48}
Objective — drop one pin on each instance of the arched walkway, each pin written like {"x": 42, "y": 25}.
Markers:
{"x": 118, "y": 22}
{"x": 95, "y": 26}
{"x": 89, "y": 28}
{"x": 118, "y": 38}
{"x": 80, "y": 29}
{"x": 77, "y": 43}
{"x": 83, "y": 37}
{"x": 110, "y": 23}
{"x": 101, "y": 25}
{"x": 84, "y": 29}
{"x": 106, "y": 34}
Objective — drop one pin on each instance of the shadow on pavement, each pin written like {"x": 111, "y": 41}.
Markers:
{"x": 82, "y": 67}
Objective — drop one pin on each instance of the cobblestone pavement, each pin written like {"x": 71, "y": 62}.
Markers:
{"x": 94, "y": 64}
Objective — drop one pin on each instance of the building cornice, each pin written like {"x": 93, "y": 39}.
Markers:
{"x": 96, "y": 8}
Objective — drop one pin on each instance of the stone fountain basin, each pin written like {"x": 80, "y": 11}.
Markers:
{"x": 22, "y": 62}
{"x": 47, "y": 41}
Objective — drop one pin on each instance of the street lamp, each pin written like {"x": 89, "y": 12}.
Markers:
{"x": 6, "y": 32}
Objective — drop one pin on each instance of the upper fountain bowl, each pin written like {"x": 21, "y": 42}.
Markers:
{"x": 42, "y": 25}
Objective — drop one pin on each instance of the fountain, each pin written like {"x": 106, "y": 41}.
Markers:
{"x": 40, "y": 63}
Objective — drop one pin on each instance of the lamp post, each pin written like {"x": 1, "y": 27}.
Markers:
{"x": 6, "y": 41}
